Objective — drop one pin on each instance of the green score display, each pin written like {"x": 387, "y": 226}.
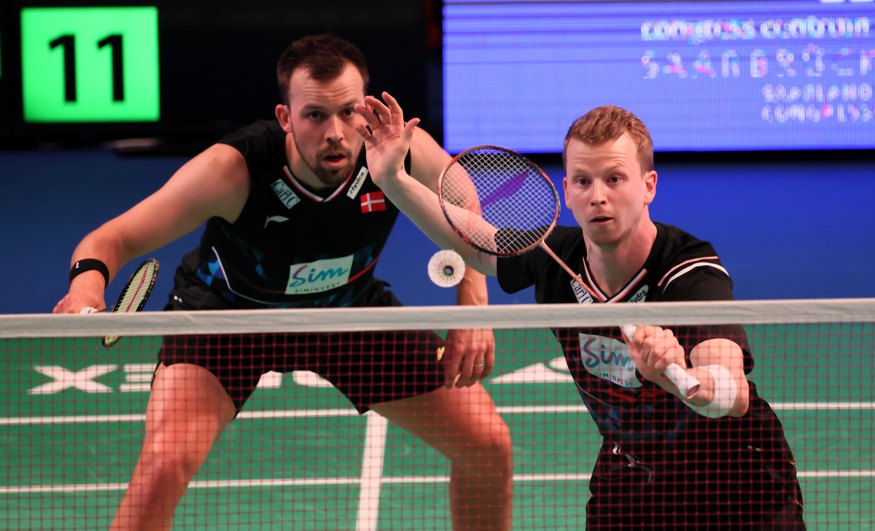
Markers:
{"x": 90, "y": 64}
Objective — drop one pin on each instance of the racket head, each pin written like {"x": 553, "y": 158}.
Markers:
{"x": 135, "y": 293}
{"x": 512, "y": 194}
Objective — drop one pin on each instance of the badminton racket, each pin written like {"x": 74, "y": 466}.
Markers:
{"x": 133, "y": 296}
{"x": 520, "y": 206}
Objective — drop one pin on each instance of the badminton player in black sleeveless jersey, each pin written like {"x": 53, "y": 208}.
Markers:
{"x": 293, "y": 220}
{"x": 717, "y": 460}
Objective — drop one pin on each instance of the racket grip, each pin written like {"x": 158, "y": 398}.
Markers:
{"x": 687, "y": 384}
{"x": 629, "y": 330}
{"x": 89, "y": 309}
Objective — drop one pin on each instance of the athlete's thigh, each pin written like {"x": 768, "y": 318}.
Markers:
{"x": 449, "y": 419}
{"x": 237, "y": 361}
{"x": 187, "y": 406}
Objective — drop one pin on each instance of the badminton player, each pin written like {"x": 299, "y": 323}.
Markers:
{"x": 293, "y": 220}
{"x": 718, "y": 460}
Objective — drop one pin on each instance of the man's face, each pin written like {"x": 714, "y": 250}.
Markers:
{"x": 322, "y": 122}
{"x": 607, "y": 190}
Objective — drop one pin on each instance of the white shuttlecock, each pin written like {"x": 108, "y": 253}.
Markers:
{"x": 446, "y": 268}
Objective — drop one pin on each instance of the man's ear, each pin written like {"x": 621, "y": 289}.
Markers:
{"x": 565, "y": 190}
{"x": 283, "y": 116}
{"x": 650, "y": 179}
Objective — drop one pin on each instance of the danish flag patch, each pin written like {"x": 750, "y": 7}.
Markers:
{"x": 373, "y": 202}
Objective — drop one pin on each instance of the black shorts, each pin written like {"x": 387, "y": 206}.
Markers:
{"x": 728, "y": 491}
{"x": 678, "y": 509}
{"x": 367, "y": 367}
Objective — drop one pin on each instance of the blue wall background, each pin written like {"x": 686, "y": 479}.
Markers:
{"x": 784, "y": 228}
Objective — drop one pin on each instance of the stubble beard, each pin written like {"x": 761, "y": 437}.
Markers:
{"x": 328, "y": 177}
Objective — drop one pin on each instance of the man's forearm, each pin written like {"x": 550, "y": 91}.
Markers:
{"x": 472, "y": 289}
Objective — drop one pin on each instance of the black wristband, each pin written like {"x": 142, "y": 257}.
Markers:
{"x": 89, "y": 264}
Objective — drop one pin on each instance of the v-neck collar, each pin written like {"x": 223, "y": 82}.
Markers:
{"x": 299, "y": 186}
{"x": 637, "y": 280}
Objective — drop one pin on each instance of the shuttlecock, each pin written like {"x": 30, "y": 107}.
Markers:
{"x": 446, "y": 268}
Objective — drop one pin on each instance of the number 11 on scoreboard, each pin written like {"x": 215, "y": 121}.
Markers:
{"x": 90, "y": 64}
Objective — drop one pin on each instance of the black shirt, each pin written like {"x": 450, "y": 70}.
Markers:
{"x": 291, "y": 247}
{"x": 646, "y": 430}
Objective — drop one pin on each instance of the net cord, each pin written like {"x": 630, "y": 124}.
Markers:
{"x": 152, "y": 323}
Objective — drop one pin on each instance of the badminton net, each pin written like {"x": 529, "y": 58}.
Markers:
{"x": 299, "y": 456}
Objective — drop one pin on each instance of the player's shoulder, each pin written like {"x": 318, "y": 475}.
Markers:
{"x": 678, "y": 244}
{"x": 682, "y": 257}
{"x": 256, "y": 136}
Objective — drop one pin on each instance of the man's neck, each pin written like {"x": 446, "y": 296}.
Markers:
{"x": 612, "y": 266}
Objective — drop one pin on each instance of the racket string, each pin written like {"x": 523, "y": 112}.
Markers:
{"x": 515, "y": 198}
{"x": 135, "y": 293}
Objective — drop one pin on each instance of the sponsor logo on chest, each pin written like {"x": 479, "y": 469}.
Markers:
{"x": 357, "y": 183}
{"x": 274, "y": 219}
{"x": 608, "y": 359}
{"x": 583, "y": 296}
{"x": 285, "y": 194}
{"x": 318, "y": 276}
{"x": 640, "y": 295}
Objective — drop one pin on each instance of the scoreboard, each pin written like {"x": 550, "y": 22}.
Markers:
{"x": 90, "y": 64}
{"x": 741, "y": 75}
{"x": 180, "y": 73}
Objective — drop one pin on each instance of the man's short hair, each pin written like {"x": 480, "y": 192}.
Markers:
{"x": 608, "y": 123}
{"x": 324, "y": 56}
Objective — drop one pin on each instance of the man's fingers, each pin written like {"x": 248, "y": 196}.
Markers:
{"x": 377, "y": 110}
{"x": 466, "y": 369}
{"x": 472, "y": 376}
{"x": 473, "y": 355}
{"x": 364, "y": 131}
{"x": 409, "y": 127}
{"x": 449, "y": 358}
{"x": 396, "y": 113}
{"x": 367, "y": 112}
{"x": 488, "y": 361}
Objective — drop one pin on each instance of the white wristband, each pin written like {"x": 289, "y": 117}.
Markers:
{"x": 725, "y": 391}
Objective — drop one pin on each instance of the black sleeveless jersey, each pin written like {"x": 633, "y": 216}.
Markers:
{"x": 640, "y": 421}
{"x": 291, "y": 248}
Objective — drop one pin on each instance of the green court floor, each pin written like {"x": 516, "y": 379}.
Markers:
{"x": 300, "y": 458}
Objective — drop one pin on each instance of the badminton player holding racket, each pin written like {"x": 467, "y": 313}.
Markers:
{"x": 670, "y": 460}
{"x": 293, "y": 220}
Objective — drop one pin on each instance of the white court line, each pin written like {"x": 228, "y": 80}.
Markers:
{"x": 140, "y": 417}
{"x": 242, "y": 483}
{"x": 372, "y": 472}
{"x": 374, "y": 453}
{"x": 585, "y": 477}
{"x": 319, "y": 413}
{"x": 213, "y": 484}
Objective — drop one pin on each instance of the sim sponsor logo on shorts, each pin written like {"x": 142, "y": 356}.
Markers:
{"x": 608, "y": 359}
{"x": 318, "y": 276}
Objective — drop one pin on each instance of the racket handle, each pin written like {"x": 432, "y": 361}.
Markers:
{"x": 89, "y": 309}
{"x": 687, "y": 384}
{"x": 629, "y": 330}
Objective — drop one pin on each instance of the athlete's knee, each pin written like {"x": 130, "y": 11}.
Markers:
{"x": 490, "y": 447}
{"x": 499, "y": 437}
{"x": 175, "y": 452}
{"x": 164, "y": 463}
